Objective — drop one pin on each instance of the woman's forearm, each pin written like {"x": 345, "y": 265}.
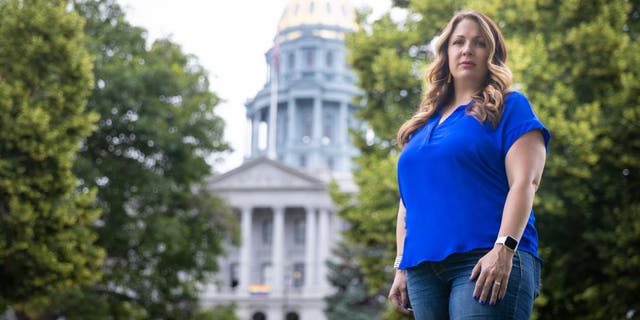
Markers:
{"x": 517, "y": 209}
{"x": 524, "y": 164}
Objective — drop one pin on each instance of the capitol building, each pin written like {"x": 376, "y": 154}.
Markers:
{"x": 299, "y": 124}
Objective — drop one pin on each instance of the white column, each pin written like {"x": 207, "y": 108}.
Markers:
{"x": 277, "y": 253}
{"x": 317, "y": 120}
{"x": 291, "y": 132}
{"x": 255, "y": 124}
{"x": 272, "y": 153}
{"x": 323, "y": 247}
{"x": 245, "y": 252}
{"x": 316, "y": 133}
{"x": 310, "y": 250}
{"x": 291, "y": 126}
{"x": 297, "y": 64}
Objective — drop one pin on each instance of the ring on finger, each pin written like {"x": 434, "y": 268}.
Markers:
{"x": 497, "y": 283}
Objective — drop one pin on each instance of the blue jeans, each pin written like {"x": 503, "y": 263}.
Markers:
{"x": 442, "y": 290}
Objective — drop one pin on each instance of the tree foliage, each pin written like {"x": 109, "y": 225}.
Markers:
{"x": 162, "y": 230}
{"x": 577, "y": 62}
{"x": 46, "y": 243}
{"x": 219, "y": 312}
{"x": 351, "y": 300}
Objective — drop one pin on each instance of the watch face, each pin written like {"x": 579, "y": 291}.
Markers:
{"x": 511, "y": 243}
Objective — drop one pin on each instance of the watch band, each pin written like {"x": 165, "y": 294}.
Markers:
{"x": 396, "y": 263}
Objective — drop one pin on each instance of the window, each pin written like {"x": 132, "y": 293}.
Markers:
{"x": 330, "y": 163}
{"x": 266, "y": 273}
{"x": 298, "y": 275}
{"x": 329, "y": 58}
{"x": 302, "y": 161}
{"x": 259, "y": 316}
{"x": 309, "y": 55}
{"x": 292, "y": 61}
{"x": 306, "y": 113}
{"x": 233, "y": 275}
{"x": 267, "y": 231}
{"x": 298, "y": 231}
{"x": 330, "y": 111}
{"x": 327, "y": 128}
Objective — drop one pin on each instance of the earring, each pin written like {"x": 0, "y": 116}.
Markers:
{"x": 449, "y": 78}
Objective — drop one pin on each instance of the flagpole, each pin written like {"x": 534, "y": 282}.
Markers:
{"x": 273, "y": 108}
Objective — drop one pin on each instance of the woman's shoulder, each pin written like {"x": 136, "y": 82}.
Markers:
{"x": 516, "y": 102}
{"x": 517, "y": 109}
{"x": 519, "y": 117}
{"x": 515, "y": 97}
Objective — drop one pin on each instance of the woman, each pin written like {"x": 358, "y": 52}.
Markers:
{"x": 472, "y": 160}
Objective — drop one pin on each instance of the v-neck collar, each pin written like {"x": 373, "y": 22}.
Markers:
{"x": 435, "y": 123}
{"x": 439, "y": 113}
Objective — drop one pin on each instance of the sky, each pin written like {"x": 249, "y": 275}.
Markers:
{"x": 230, "y": 39}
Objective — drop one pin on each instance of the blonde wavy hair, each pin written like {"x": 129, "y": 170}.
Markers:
{"x": 487, "y": 102}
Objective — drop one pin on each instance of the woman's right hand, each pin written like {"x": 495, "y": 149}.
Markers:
{"x": 398, "y": 293}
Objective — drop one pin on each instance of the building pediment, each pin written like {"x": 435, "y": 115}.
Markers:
{"x": 265, "y": 174}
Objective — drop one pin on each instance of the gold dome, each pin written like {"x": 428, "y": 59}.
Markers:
{"x": 334, "y": 13}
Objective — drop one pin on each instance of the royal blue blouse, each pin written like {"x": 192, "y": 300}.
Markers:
{"x": 453, "y": 182}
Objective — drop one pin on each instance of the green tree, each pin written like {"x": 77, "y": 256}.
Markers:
{"x": 219, "y": 312}
{"x": 351, "y": 300}
{"x": 161, "y": 228}
{"x": 577, "y": 62}
{"x": 46, "y": 242}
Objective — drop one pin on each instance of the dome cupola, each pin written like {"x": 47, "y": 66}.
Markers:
{"x": 329, "y": 18}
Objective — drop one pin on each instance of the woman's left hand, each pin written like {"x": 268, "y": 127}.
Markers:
{"x": 491, "y": 273}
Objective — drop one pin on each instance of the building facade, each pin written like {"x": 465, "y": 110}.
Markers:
{"x": 299, "y": 142}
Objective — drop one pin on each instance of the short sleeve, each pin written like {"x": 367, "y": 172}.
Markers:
{"x": 519, "y": 118}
